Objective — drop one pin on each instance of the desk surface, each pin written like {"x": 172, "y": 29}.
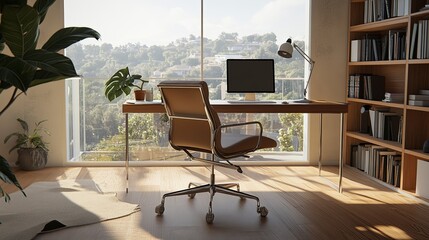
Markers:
{"x": 226, "y": 107}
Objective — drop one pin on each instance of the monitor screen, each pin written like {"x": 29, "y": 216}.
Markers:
{"x": 250, "y": 75}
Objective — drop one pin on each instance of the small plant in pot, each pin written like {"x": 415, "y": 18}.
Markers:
{"x": 32, "y": 149}
{"x": 122, "y": 82}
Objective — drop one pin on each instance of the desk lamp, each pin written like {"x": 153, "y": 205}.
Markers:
{"x": 285, "y": 51}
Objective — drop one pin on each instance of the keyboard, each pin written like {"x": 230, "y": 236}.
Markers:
{"x": 250, "y": 101}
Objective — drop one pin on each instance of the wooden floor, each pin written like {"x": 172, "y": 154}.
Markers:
{"x": 301, "y": 205}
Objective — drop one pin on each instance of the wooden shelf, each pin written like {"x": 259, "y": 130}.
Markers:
{"x": 401, "y": 76}
{"x": 420, "y": 14}
{"x": 378, "y": 103}
{"x": 418, "y": 61}
{"x": 417, "y": 108}
{"x": 417, "y": 153}
{"x": 367, "y": 138}
{"x": 391, "y": 23}
{"x": 376, "y": 63}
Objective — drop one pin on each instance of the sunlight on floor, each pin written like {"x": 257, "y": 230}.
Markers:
{"x": 385, "y": 231}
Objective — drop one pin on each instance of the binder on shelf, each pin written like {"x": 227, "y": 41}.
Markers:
{"x": 365, "y": 86}
{"x": 365, "y": 125}
{"x": 354, "y": 51}
{"x": 385, "y": 125}
{"x": 413, "y": 41}
{"x": 378, "y": 162}
{"x": 422, "y": 49}
{"x": 378, "y": 10}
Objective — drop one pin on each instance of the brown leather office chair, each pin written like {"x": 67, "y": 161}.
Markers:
{"x": 195, "y": 126}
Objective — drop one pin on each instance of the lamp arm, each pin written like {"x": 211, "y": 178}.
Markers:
{"x": 310, "y": 61}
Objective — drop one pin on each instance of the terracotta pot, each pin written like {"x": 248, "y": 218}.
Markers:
{"x": 139, "y": 94}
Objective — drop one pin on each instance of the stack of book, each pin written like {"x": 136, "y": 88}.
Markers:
{"x": 419, "y": 48}
{"x": 378, "y": 162}
{"x": 393, "y": 97}
{"x": 389, "y": 46}
{"x": 366, "y": 86}
{"x": 377, "y": 10}
{"x": 385, "y": 125}
{"x": 421, "y": 99}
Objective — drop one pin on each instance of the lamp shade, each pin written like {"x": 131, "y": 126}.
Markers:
{"x": 286, "y": 49}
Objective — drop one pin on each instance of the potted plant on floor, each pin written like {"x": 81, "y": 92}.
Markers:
{"x": 27, "y": 66}
{"x": 122, "y": 82}
{"x": 32, "y": 149}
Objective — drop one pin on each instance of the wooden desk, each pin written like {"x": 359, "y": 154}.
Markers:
{"x": 320, "y": 107}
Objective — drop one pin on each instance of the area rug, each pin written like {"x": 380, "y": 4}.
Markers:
{"x": 54, "y": 205}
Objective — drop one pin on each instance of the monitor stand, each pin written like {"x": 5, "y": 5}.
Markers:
{"x": 249, "y": 97}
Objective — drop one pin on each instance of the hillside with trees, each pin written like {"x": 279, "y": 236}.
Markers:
{"x": 103, "y": 122}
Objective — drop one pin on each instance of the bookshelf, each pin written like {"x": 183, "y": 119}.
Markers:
{"x": 381, "y": 45}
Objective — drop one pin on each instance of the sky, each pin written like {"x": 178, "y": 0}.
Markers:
{"x": 159, "y": 22}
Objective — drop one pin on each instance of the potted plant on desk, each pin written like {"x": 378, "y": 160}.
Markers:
{"x": 122, "y": 82}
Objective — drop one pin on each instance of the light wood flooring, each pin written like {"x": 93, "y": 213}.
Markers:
{"x": 301, "y": 204}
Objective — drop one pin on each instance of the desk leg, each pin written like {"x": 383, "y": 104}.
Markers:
{"x": 127, "y": 155}
{"x": 340, "y": 167}
{"x": 320, "y": 144}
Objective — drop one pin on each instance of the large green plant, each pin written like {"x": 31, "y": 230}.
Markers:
{"x": 28, "y": 66}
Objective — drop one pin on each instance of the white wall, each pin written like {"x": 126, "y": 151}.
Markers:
{"x": 328, "y": 34}
{"x": 328, "y": 48}
{"x": 41, "y": 102}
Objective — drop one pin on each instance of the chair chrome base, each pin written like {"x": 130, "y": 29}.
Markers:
{"x": 212, "y": 188}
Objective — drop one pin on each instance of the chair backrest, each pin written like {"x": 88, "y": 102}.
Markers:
{"x": 192, "y": 119}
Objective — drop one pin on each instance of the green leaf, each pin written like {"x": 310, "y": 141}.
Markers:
{"x": 7, "y": 176}
{"x": 42, "y": 77}
{"x": 120, "y": 83}
{"x": 51, "y": 62}
{"x": 68, "y": 36}
{"x": 16, "y": 72}
{"x": 20, "y": 28}
{"x": 9, "y": 78}
{"x": 42, "y": 7}
{"x": 24, "y": 125}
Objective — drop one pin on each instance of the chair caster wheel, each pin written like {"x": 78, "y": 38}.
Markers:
{"x": 263, "y": 211}
{"x": 209, "y": 218}
{"x": 191, "y": 196}
{"x": 159, "y": 209}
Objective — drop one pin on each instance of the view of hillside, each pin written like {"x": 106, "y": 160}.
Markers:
{"x": 103, "y": 122}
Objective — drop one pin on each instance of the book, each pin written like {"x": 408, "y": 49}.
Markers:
{"x": 422, "y": 103}
{"x": 376, "y": 87}
{"x": 413, "y": 41}
{"x": 424, "y": 91}
{"x": 418, "y": 97}
{"x": 354, "y": 51}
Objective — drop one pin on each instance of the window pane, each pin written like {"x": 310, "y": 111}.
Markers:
{"x": 161, "y": 40}
{"x": 242, "y": 29}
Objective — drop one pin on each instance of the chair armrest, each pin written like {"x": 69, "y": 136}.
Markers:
{"x": 259, "y": 125}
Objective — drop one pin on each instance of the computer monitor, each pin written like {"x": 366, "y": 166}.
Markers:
{"x": 250, "y": 75}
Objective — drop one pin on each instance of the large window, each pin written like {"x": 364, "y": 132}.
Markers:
{"x": 162, "y": 40}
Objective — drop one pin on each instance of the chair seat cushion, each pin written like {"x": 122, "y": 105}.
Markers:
{"x": 231, "y": 144}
